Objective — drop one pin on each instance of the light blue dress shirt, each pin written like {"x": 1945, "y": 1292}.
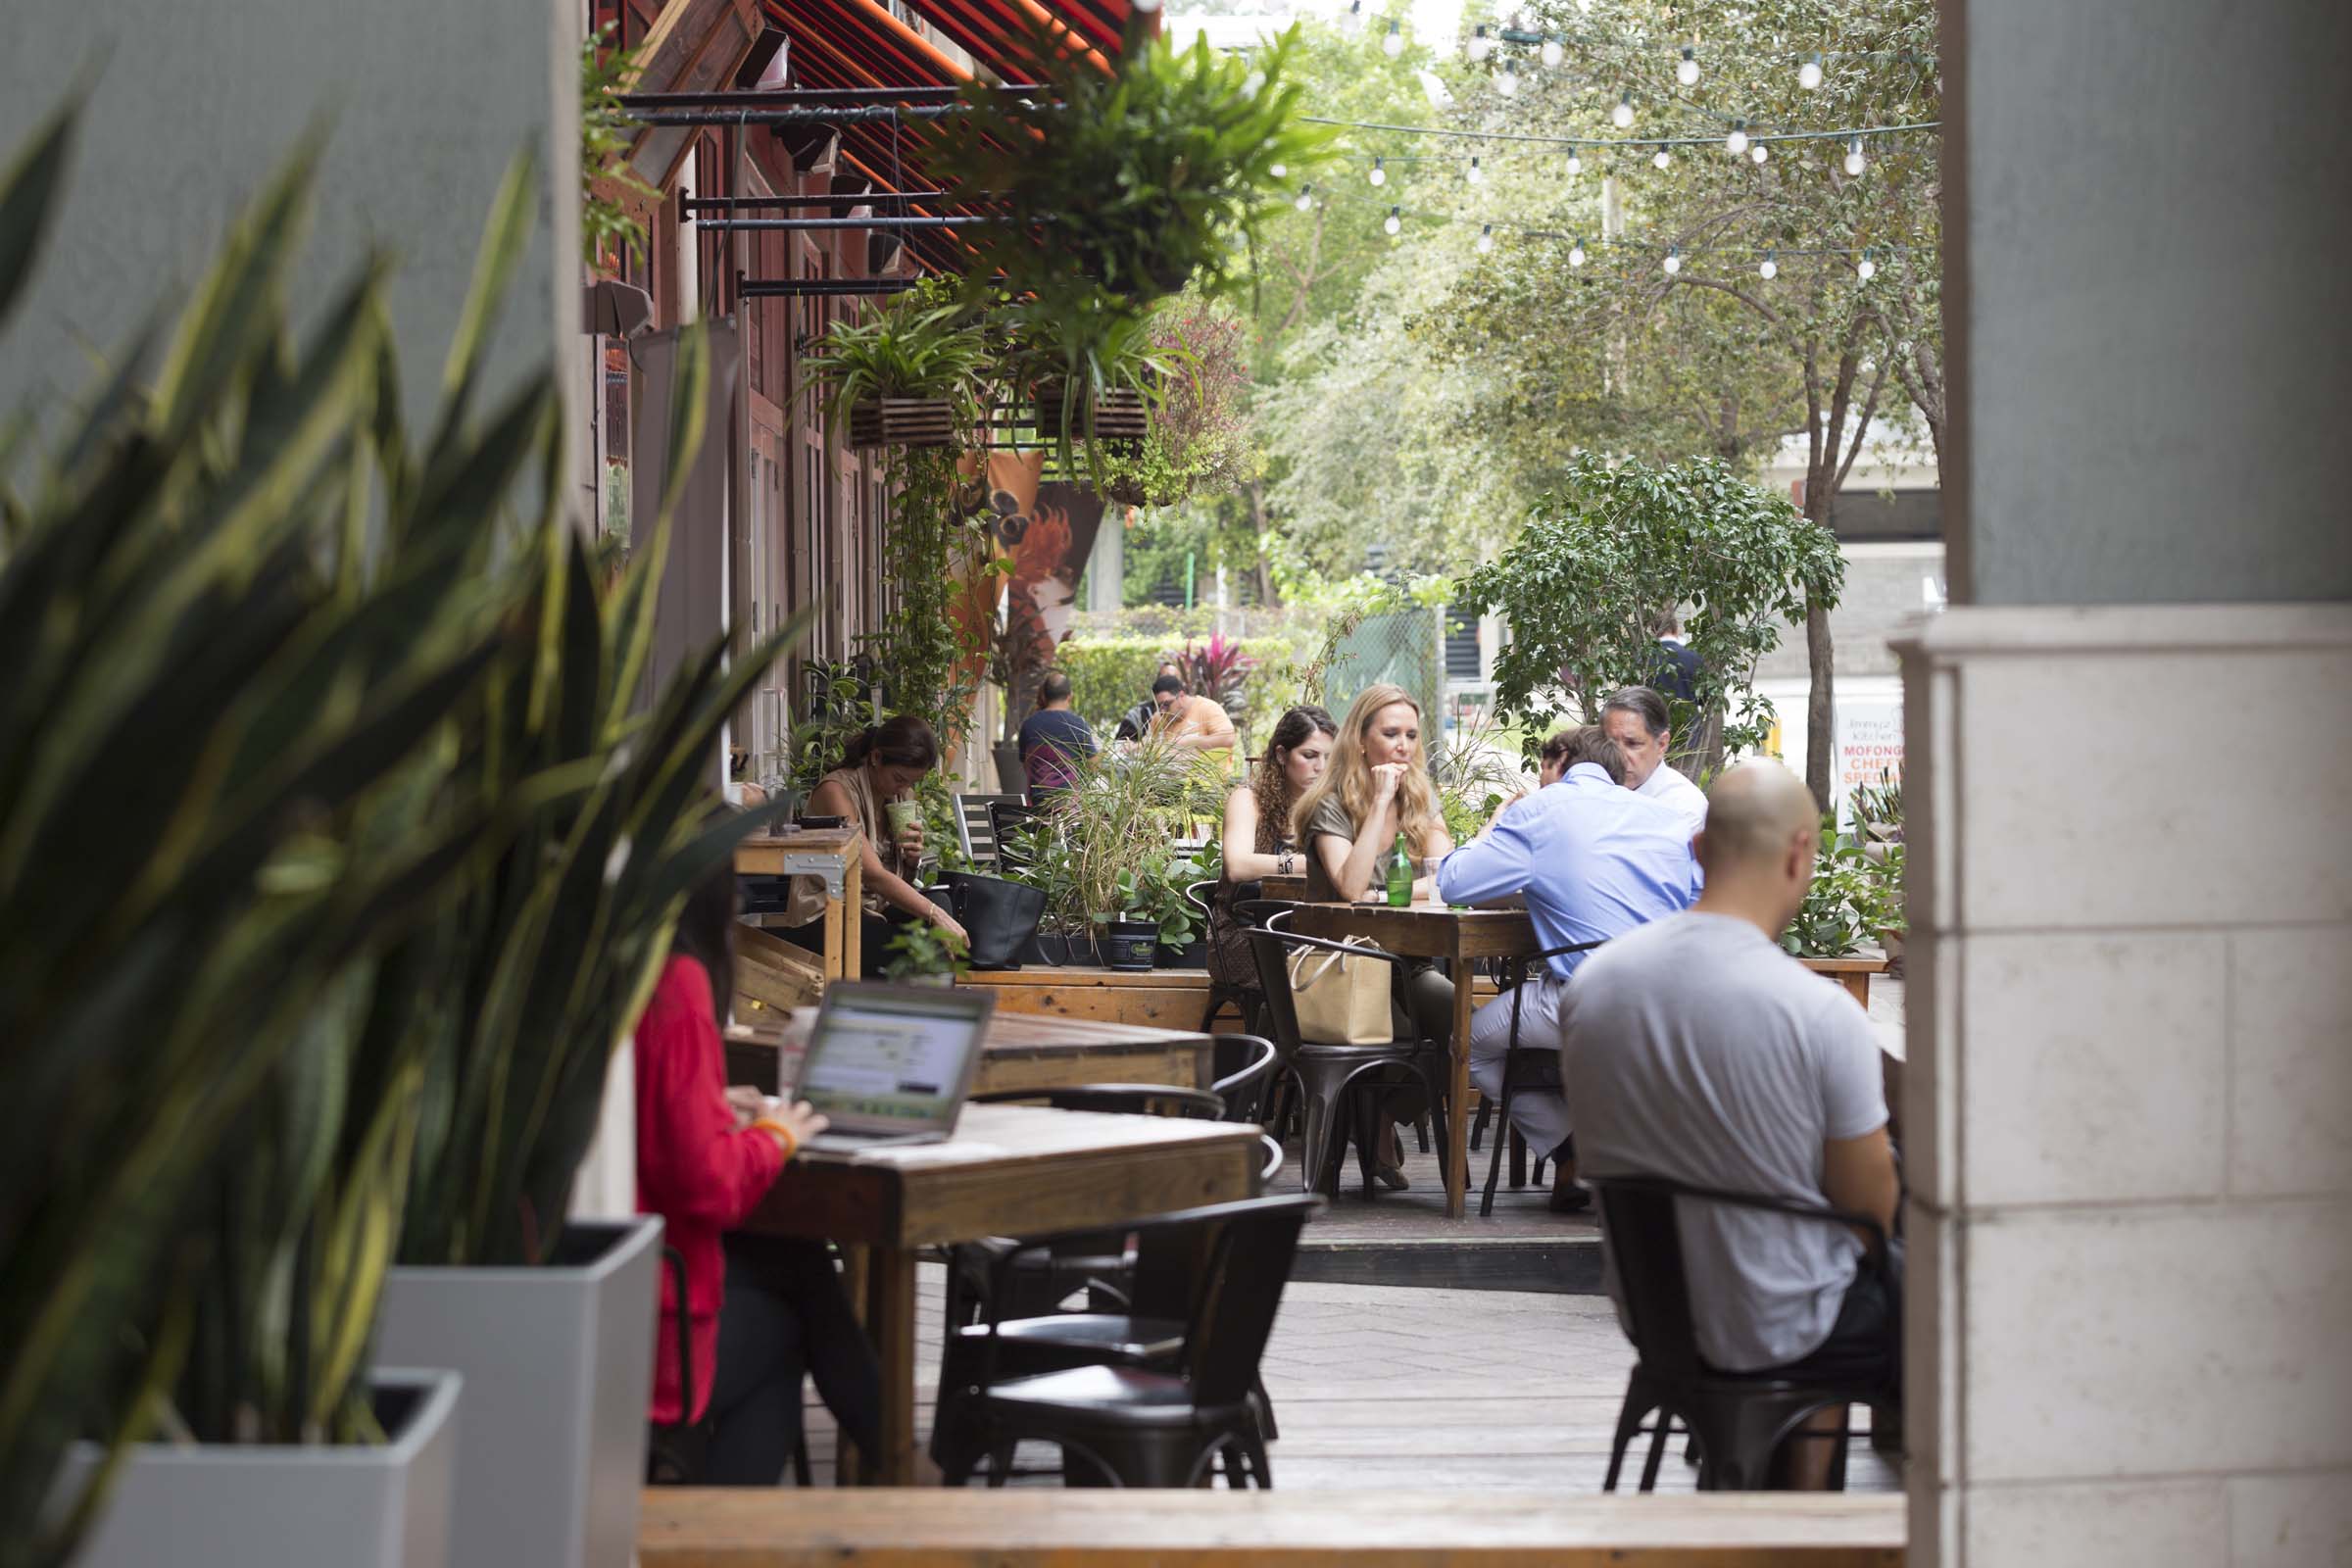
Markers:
{"x": 1593, "y": 859}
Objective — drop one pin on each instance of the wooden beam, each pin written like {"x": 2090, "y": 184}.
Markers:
{"x": 1053, "y": 1528}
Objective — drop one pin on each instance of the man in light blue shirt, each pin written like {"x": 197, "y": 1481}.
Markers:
{"x": 1592, "y": 860}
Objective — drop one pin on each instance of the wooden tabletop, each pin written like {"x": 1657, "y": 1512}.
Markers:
{"x": 789, "y": 854}
{"x": 1423, "y": 930}
{"x": 1012, "y": 1170}
{"x": 1043, "y": 1034}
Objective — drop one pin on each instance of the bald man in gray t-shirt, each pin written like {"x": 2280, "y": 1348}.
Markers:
{"x": 1698, "y": 1052}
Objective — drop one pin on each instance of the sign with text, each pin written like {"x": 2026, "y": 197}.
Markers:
{"x": 1869, "y": 748}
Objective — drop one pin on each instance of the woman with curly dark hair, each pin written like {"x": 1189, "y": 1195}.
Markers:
{"x": 1257, "y": 842}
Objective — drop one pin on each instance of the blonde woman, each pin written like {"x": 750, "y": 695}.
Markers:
{"x": 1377, "y": 786}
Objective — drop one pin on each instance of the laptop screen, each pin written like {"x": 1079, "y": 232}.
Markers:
{"x": 892, "y": 1056}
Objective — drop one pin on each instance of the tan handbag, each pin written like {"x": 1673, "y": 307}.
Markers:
{"x": 1341, "y": 1000}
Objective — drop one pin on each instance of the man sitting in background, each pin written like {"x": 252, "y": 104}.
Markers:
{"x": 1592, "y": 860}
{"x": 1636, "y": 719}
{"x": 1698, "y": 1052}
{"x": 1188, "y": 723}
{"x": 1053, "y": 740}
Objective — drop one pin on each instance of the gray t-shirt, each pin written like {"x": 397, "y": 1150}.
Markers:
{"x": 1698, "y": 1051}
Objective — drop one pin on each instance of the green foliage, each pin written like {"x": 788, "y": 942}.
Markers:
{"x": 1109, "y": 675}
{"x": 1199, "y": 440}
{"x": 1577, "y": 590}
{"x": 925, "y": 343}
{"x": 1475, "y": 775}
{"x": 919, "y": 950}
{"x": 921, "y": 651}
{"x": 606, "y": 133}
{"x": 843, "y": 708}
{"x": 1115, "y": 823}
{"x": 1848, "y": 903}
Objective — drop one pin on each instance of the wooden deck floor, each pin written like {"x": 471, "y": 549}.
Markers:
{"x": 1382, "y": 1388}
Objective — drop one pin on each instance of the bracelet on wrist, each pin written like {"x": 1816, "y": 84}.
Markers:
{"x": 782, "y": 1134}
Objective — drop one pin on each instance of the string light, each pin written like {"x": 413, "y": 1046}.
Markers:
{"x": 1306, "y": 198}
{"x": 1576, "y": 164}
{"x": 1354, "y": 21}
{"x": 1687, "y": 71}
{"x": 1486, "y": 240}
{"x": 1737, "y": 142}
{"x": 1551, "y": 54}
{"x": 1481, "y": 46}
{"x": 1662, "y": 158}
{"x": 1866, "y": 269}
{"x": 1380, "y": 173}
{"x": 1622, "y": 115}
{"x": 1393, "y": 44}
{"x": 1278, "y": 171}
{"x": 1576, "y": 252}
{"x": 1759, "y": 151}
{"x": 1855, "y": 163}
{"x": 1808, "y": 75}
{"x": 1674, "y": 260}
{"x": 1473, "y": 173}
{"x": 1768, "y": 269}
{"x": 1395, "y": 222}
{"x": 1506, "y": 81}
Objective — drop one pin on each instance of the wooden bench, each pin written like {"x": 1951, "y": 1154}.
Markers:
{"x": 1052, "y": 1528}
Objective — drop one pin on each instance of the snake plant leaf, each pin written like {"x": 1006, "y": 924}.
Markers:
{"x": 28, "y": 201}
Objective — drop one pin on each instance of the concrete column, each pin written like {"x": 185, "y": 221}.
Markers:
{"x": 1106, "y": 565}
{"x": 193, "y": 107}
{"x": 2131, "y": 1019}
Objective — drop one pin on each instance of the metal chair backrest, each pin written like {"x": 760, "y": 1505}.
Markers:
{"x": 1644, "y": 1241}
{"x": 975, "y": 830}
{"x": 1244, "y": 1066}
{"x": 1273, "y": 977}
{"x": 1247, "y": 1264}
{"x": 1007, "y": 816}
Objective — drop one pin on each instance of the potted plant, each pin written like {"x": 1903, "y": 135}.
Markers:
{"x": 923, "y": 954}
{"x": 1196, "y": 438}
{"x": 909, "y": 373}
{"x": 1122, "y": 811}
{"x": 211, "y": 1072}
{"x": 1841, "y": 903}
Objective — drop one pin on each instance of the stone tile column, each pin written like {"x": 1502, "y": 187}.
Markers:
{"x": 2129, "y": 1098}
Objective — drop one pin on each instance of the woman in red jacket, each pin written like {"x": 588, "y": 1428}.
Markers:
{"x": 706, "y": 1156}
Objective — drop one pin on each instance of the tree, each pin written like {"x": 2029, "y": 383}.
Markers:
{"x": 1579, "y": 587}
{"x": 1817, "y": 348}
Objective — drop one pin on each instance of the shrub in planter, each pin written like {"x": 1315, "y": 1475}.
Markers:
{"x": 922, "y": 954}
{"x": 911, "y": 371}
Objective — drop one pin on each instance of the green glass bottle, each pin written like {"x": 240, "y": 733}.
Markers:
{"x": 1401, "y": 875}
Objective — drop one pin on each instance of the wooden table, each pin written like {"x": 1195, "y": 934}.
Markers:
{"x": 1030, "y": 1051}
{"x": 838, "y": 855}
{"x": 1009, "y": 1170}
{"x": 1021, "y": 1051}
{"x": 1852, "y": 973}
{"x": 1456, "y": 936}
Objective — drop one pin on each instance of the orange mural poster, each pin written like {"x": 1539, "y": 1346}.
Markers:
{"x": 1041, "y": 534}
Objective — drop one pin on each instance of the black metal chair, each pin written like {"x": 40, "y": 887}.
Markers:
{"x": 1245, "y": 1067}
{"x": 1736, "y": 1422}
{"x": 1338, "y": 1085}
{"x": 1523, "y": 1067}
{"x": 1161, "y": 1420}
{"x": 674, "y": 1449}
{"x": 1007, "y": 816}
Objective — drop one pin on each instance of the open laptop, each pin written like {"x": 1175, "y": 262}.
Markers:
{"x": 891, "y": 1064}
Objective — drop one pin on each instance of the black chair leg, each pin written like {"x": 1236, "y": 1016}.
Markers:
{"x": 802, "y": 1476}
{"x": 1657, "y": 1449}
{"x": 1478, "y": 1124}
{"x": 1421, "y": 1132}
{"x": 1628, "y": 1426}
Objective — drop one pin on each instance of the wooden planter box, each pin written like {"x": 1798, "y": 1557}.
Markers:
{"x": 901, "y": 422}
{"x": 1111, "y": 416}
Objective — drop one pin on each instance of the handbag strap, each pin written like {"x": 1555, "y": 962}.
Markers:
{"x": 1326, "y": 956}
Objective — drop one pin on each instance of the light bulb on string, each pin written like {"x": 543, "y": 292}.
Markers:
{"x": 1380, "y": 173}
{"x": 1759, "y": 151}
{"x": 1855, "y": 163}
{"x": 1576, "y": 252}
{"x": 1808, "y": 75}
{"x": 1769, "y": 267}
{"x": 1686, "y": 70}
{"x": 1473, "y": 173}
{"x": 1479, "y": 45}
{"x": 1737, "y": 142}
{"x": 1662, "y": 159}
{"x": 1393, "y": 44}
{"x": 1506, "y": 81}
{"x": 1674, "y": 260}
{"x": 1551, "y": 54}
{"x": 1622, "y": 116}
{"x": 1866, "y": 269}
{"x": 1306, "y": 198}
{"x": 1576, "y": 164}
{"x": 1278, "y": 171}
{"x": 1353, "y": 21}
{"x": 1486, "y": 240}
{"x": 1394, "y": 224}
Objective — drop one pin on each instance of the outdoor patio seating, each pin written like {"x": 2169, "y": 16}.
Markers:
{"x": 1245, "y": 1067}
{"x": 976, "y": 827}
{"x": 1523, "y": 1067}
{"x": 1134, "y": 1424}
{"x": 1736, "y": 1422}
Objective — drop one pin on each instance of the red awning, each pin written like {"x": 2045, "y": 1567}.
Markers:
{"x": 996, "y": 33}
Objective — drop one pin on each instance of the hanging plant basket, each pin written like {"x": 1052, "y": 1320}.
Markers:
{"x": 901, "y": 422}
{"x": 1122, "y": 416}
